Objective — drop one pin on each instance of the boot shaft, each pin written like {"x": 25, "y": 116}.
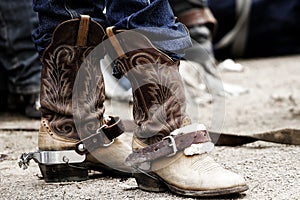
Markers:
{"x": 68, "y": 76}
{"x": 158, "y": 93}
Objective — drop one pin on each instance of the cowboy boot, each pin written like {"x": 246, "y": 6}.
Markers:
{"x": 168, "y": 151}
{"x": 74, "y": 135}
{"x": 196, "y": 15}
{"x": 201, "y": 24}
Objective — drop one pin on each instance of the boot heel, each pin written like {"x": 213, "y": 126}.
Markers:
{"x": 63, "y": 173}
{"x": 148, "y": 182}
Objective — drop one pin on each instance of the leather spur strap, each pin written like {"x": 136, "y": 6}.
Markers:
{"x": 103, "y": 137}
{"x": 167, "y": 147}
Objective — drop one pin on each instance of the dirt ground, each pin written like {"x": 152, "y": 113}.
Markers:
{"x": 271, "y": 170}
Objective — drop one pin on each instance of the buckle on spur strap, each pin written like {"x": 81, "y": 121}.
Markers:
{"x": 172, "y": 144}
{"x": 100, "y": 131}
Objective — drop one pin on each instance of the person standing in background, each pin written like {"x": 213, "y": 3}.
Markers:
{"x": 20, "y": 68}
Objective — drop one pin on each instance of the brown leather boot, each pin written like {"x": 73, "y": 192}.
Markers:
{"x": 74, "y": 134}
{"x": 169, "y": 151}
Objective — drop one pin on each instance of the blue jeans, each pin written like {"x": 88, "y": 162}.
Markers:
{"x": 154, "y": 17}
{"x": 19, "y": 62}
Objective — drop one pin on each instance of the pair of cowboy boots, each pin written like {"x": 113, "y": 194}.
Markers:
{"x": 168, "y": 152}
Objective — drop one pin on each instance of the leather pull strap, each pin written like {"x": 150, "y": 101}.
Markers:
{"x": 114, "y": 41}
{"x": 83, "y": 30}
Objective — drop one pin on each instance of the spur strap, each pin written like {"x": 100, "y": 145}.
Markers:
{"x": 167, "y": 147}
{"x": 103, "y": 137}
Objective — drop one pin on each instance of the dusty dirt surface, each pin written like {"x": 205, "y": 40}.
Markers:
{"x": 271, "y": 170}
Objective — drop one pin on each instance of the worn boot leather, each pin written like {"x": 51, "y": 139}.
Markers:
{"x": 189, "y": 175}
{"x": 158, "y": 110}
{"x": 72, "y": 97}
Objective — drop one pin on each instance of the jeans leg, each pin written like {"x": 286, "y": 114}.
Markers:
{"x": 53, "y": 12}
{"x": 18, "y": 56}
{"x": 3, "y": 89}
{"x": 3, "y": 79}
{"x": 154, "y": 18}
